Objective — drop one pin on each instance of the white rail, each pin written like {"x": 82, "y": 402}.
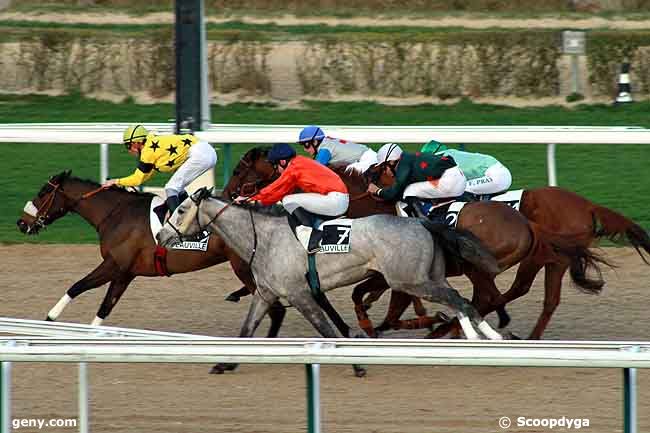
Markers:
{"x": 108, "y": 133}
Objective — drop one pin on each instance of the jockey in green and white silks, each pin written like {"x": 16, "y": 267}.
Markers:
{"x": 484, "y": 173}
{"x": 419, "y": 175}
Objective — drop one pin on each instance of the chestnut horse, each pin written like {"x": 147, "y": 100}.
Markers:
{"x": 504, "y": 231}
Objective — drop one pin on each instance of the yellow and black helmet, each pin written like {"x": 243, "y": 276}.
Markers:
{"x": 134, "y": 133}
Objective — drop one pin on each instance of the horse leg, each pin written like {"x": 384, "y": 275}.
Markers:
{"x": 552, "y": 288}
{"x": 524, "y": 279}
{"x": 309, "y": 308}
{"x": 113, "y": 294}
{"x": 276, "y": 314}
{"x": 361, "y": 307}
{"x": 102, "y": 274}
{"x": 442, "y": 293}
{"x": 256, "y": 312}
{"x": 238, "y": 294}
{"x": 399, "y": 302}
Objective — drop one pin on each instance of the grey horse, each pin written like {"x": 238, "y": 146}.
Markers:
{"x": 408, "y": 252}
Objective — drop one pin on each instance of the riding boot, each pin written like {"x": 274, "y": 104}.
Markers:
{"x": 172, "y": 203}
{"x": 160, "y": 211}
{"x": 306, "y": 218}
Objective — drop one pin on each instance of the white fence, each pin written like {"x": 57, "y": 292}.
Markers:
{"x": 83, "y": 343}
{"x": 109, "y": 133}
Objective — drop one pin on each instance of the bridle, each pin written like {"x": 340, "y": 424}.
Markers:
{"x": 203, "y": 228}
{"x": 42, "y": 212}
{"x": 42, "y": 215}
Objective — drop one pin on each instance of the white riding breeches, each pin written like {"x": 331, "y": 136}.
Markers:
{"x": 368, "y": 158}
{"x": 497, "y": 179}
{"x": 202, "y": 157}
{"x": 332, "y": 204}
{"x": 451, "y": 184}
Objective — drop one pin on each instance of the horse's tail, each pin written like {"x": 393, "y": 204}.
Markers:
{"x": 620, "y": 229}
{"x": 551, "y": 247}
{"x": 463, "y": 245}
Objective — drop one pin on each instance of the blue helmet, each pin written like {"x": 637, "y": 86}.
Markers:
{"x": 281, "y": 151}
{"x": 311, "y": 132}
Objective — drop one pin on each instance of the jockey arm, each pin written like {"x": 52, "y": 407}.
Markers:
{"x": 276, "y": 191}
{"x": 323, "y": 156}
{"x": 402, "y": 176}
{"x": 142, "y": 173}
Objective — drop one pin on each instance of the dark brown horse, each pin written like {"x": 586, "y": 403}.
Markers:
{"x": 127, "y": 247}
{"x": 504, "y": 231}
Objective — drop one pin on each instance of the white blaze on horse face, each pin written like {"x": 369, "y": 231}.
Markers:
{"x": 468, "y": 329}
{"x": 487, "y": 330}
{"x": 30, "y": 209}
{"x": 56, "y": 311}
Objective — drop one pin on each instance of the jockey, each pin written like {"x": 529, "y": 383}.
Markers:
{"x": 418, "y": 175}
{"x": 323, "y": 191}
{"x": 334, "y": 151}
{"x": 485, "y": 174}
{"x": 185, "y": 154}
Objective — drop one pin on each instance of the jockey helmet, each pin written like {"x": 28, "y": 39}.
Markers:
{"x": 389, "y": 152}
{"x": 134, "y": 133}
{"x": 281, "y": 151}
{"x": 433, "y": 146}
{"x": 310, "y": 133}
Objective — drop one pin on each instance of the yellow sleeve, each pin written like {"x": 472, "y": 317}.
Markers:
{"x": 136, "y": 179}
{"x": 142, "y": 173}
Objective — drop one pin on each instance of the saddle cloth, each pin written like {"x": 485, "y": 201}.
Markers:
{"x": 451, "y": 211}
{"x": 198, "y": 244}
{"x": 336, "y": 236}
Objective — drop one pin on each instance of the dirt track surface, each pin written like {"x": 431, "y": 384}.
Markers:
{"x": 142, "y": 398}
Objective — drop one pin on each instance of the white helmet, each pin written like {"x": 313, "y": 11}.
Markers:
{"x": 389, "y": 152}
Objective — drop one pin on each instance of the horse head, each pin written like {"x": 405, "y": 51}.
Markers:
{"x": 184, "y": 222}
{"x": 50, "y": 204}
{"x": 379, "y": 175}
{"x": 252, "y": 173}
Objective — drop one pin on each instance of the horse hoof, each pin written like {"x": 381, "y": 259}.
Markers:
{"x": 504, "y": 320}
{"x": 218, "y": 369}
{"x": 359, "y": 371}
{"x": 233, "y": 298}
{"x": 510, "y": 336}
{"x": 222, "y": 367}
{"x": 48, "y": 319}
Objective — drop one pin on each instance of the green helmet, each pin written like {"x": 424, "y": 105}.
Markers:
{"x": 433, "y": 147}
{"x": 134, "y": 133}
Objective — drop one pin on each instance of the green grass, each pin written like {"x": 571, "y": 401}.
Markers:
{"x": 613, "y": 175}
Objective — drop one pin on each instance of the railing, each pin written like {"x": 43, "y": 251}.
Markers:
{"x": 128, "y": 345}
{"x": 108, "y": 133}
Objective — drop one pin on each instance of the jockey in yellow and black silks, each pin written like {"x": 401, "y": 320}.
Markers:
{"x": 184, "y": 154}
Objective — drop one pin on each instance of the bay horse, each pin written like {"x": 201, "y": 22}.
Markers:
{"x": 127, "y": 246}
{"x": 505, "y": 232}
{"x": 408, "y": 253}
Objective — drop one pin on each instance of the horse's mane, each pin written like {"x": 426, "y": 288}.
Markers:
{"x": 351, "y": 177}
